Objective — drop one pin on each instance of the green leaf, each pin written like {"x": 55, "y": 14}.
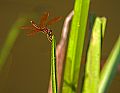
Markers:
{"x": 75, "y": 46}
{"x": 53, "y": 66}
{"x": 110, "y": 68}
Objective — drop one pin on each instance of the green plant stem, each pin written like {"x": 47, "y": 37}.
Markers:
{"x": 53, "y": 66}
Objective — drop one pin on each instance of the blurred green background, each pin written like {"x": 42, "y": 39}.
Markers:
{"x": 27, "y": 68}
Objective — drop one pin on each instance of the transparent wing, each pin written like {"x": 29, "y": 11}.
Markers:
{"x": 31, "y": 33}
{"x": 54, "y": 20}
{"x": 27, "y": 28}
{"x": 44, "y": 19}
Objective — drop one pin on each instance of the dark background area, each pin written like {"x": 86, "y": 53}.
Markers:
{"x": 27, "y": 69}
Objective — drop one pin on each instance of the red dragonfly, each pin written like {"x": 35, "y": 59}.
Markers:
{"x": 42, "y": 27}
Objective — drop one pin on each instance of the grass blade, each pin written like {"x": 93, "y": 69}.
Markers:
{"x": 75, "y": 46}
{"x": 93, "y": 60}
{"x": 103, "y": 22}
{"x": 53, "y": 66}
{"x": 110, "y": 68}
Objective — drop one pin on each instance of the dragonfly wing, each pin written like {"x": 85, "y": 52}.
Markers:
{"x": 54, "y": 20}
{"x": 27, "y": 28}
{"x": 31, "y": 33}
{"x": 44, "y": 19}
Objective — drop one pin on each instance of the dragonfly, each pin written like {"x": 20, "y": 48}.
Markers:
{"x": 42, "y": 26}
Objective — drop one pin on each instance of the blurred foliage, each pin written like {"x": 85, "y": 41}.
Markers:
{"x": 10, "y": 40}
